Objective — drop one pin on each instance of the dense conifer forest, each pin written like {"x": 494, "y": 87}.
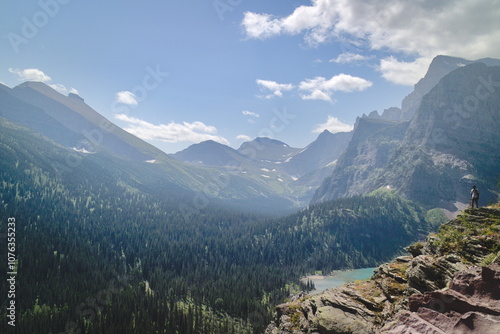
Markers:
{"x": 100, "y": 252}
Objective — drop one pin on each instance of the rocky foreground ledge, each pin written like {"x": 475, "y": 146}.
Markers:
{"x": 449, "y": 284}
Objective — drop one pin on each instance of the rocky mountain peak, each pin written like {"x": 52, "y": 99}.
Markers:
{"x": 439, "y": 67}
{"x": 267, "y": 149}
{"x": 262, "y": 141}
{"x": 209, "y": 153}
{"x": 451, "y": 142}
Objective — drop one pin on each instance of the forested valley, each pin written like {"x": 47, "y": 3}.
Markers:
{"x": 99, "y": 252}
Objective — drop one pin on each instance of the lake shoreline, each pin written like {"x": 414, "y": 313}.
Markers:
{"x": 337, "y": 278}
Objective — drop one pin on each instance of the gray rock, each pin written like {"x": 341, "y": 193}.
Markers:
{"x": 429, "y": 293}
{"x": 470, "y": 305}
{"x": 435, "y": 157}
{"x": 428, "y": 273}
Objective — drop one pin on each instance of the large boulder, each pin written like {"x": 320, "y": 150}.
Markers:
{"x": 470, "y": 305}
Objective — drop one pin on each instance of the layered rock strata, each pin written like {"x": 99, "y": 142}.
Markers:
{"x": 450, "y": 284}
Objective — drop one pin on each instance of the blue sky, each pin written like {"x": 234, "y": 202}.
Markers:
{"x": 179, "y": 72}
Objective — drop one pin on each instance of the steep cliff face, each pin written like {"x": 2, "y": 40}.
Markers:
{"x": 439, "y": 67}
{"x": 321, "y": 153}
{"x": 373, "y": 143}
{"x": 452, "y": 142}
{"x": 449, "y": 145}
{"x": 450, "y": 284}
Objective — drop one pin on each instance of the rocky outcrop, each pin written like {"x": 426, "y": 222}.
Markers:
{"x": 450, "y": 284}
{"x": 470, "y": 305}
{"x": 331, "y": 312}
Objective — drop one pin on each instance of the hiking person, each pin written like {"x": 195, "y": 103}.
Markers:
{"x": 474, "y": 197}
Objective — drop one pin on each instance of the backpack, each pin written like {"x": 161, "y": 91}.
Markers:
{"x": 474, "y": 193}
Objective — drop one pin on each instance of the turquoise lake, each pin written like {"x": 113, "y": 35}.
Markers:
{"x": 339, "y": 278}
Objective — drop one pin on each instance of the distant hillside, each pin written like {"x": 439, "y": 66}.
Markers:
{"x": 267, "y": 150}
{"x": 71, "y": 123}
{"x": 321, "y": 153}
{"x": 210, "y": 153}
{"x": 293, "y": 173}
{"x": 354, "y": 232}
{"x": 85, "y": 128}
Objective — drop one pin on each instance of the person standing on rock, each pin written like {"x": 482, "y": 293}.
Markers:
{"x": 474, "y": 197}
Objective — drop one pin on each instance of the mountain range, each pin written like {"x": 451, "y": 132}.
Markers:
{"x": 443, "y": 139}
{"x": 451, "y": 143}
{"x": 69, "y": 123}
{"x": 294, "y": 173}
{"x": 95, "y": 204}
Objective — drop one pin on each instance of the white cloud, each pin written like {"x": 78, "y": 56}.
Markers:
{"x": 34, "y": 74}
{"x": 318, "y": 94}
{"x": 316, "y": 20}
{"x": 62, "y": 89}
{"x": 320, "y": 88}
{"x": 30, "y": 74}
{"x": 422, "y": 29}
{"x": 261, "y": 25}
{"x": 276, "y": 88}
{"x": 243, "y": 137}
{"x": 126, "y": 97}
{"x": 172, "y": 132}
{"x": 348, "y": 57}
{"x": 250, "y": 113}
{"x": 333, "y": 125}
{"x": 404, "y": 73}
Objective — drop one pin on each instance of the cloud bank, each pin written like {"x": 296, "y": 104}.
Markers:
{"x": 243, "y": 137}
{"x": 172, "y": 132}
{"x": 320, "y": 88}
{"x": 30, "y": 74}
{"x": 420, "y": 29}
